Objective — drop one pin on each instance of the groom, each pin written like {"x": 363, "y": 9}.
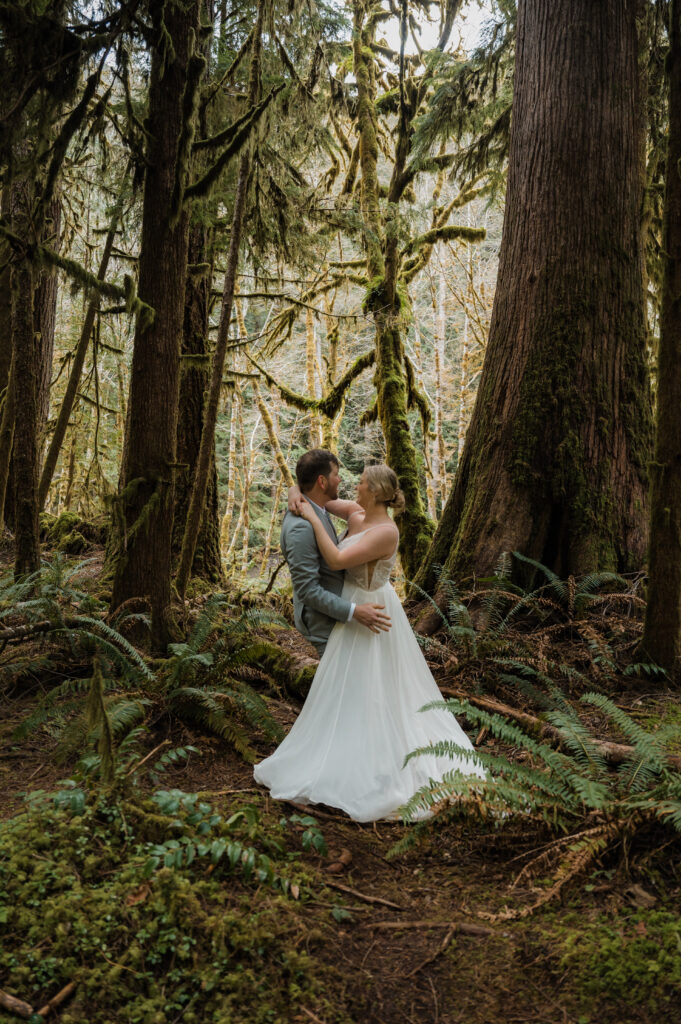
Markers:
{"x": 317, "y": 601}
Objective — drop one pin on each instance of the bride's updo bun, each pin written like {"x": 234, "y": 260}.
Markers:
{"x": 384, "y": 485}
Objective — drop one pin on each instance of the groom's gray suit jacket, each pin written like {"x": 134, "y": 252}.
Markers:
{"x": 317, "y": 603}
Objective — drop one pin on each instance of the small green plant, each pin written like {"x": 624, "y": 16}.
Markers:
{"x": 312, "y": 837}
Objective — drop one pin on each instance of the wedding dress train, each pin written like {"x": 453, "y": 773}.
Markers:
{"x": 361, "y": 716}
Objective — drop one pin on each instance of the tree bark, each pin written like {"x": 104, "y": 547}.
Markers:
{"x": 45, "y": 314}
{"x": 662, "y": 632}
{"x": 25, "y": 374}
{"x": 193, "y": 384}
{"x": 555, "y": 458}
{"x": 145, "y": 502}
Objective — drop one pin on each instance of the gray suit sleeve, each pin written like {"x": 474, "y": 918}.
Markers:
{"x": 303, "y": 562}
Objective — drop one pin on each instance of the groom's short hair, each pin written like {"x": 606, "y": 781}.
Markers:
{"x": 316, "y": 462}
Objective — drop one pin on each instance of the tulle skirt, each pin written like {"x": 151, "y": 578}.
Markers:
{"x": 361, "y": 718}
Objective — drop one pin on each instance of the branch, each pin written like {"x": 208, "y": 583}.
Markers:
{"x": 204, "y": 184}
{"x": 445, "y": 234}
{"x": 330, "y": 404}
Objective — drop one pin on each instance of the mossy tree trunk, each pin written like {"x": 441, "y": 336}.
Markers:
{"x": 6, "y": 392}
{"x": 193, "y": 384}
{"x": 194, "y": 376}
{"x": 26, "y": 377}
{"x": 45, "y": 313}
{"x": 662, "y": 633}
{"x": 383, "y": 301}
{"x": 555, "y": 458}
{"x": 144, "y": 508}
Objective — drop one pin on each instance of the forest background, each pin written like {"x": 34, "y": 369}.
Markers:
{"x": 442, "y": 235}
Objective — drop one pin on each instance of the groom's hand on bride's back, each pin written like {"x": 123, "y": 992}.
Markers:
{"x": 373, "y": 616}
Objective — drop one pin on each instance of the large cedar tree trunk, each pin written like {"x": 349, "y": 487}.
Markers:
{"x": 193, "y": 384}
{"x": 145, "y": 504}
{"x": 555, "y": 458}
{"x": 662, "y": 634}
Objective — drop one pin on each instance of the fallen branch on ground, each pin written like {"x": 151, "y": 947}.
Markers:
{"x": 363, "y": 896}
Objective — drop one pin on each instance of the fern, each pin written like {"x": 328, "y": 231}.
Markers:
{"x": 573, "y": 790}
{"x": 201, "y": 681}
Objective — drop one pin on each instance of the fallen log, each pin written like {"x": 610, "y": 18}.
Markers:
{"x": 614, "y": 753}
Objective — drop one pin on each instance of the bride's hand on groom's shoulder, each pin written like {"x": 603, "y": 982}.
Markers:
{"x": 295, "y": 500}
{"x": 306, "y": 511}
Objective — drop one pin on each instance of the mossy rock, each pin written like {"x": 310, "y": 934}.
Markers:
{"x": 70, "y": 533}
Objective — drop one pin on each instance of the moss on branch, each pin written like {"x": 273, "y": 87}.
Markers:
{"x": 203, "y": 186}
{"x": 331, "y": 403}
{"x": 447, "y": 233}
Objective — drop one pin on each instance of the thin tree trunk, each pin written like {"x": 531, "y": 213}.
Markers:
{"x": 45, "y": 314}
{"x": 26, "y": 368}
{"x": 555, "y": 458}
{"x": 272, "y": 436}
{"x": 662, "y": 632}
{"x": 200, "y": 481}
{"x": 73, "y": 383}
{"x": 194, "y": 379}
{"x": 315, "y": 436}
{"x": 226, "y": 524}
{"x": 439, "y": 452}
{"x": 6, "y": 440}
{"x": 145, "y": 503}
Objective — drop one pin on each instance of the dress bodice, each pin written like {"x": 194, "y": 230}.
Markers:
{"x": 360, "y": 574}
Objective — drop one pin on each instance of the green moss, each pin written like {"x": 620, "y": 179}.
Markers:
{"x": 374, "y": 298}
{"x": 70, "y": 533}
{"x": 633, "y": 960}
{"x": 183, "y": 941}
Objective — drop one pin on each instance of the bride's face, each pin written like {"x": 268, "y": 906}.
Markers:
{"x": 364, "y": 494}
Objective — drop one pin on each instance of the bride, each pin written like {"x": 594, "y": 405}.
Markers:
{"x": 361, "y": 717}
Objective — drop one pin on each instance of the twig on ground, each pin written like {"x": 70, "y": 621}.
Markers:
{"x": 311, "y": 1015}
{"x": 57, "y": 1000}
{"x": 17, "y": 1006}
{"x": 464, "y": 927}
{"x": 363, "y": 896}
{"x": 146, "y": 757}
{"x": 445, "y": 942}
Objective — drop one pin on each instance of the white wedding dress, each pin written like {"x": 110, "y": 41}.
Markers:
{"x": 361, "y": 717}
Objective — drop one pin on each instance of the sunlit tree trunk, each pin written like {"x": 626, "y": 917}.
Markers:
{"x": 311, "y": 383}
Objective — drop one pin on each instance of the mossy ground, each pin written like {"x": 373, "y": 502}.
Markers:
{"x": 203, "y": 943}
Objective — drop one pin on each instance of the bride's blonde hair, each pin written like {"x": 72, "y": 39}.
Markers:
{"x": 383, "y": 483}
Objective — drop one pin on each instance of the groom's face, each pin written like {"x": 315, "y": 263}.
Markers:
{"x": 332, "y": 483}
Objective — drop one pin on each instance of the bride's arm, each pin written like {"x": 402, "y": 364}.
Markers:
{"x": 377, "y": 543}
{"x": 343, "y": 508}
{"x": 339, "y": 507}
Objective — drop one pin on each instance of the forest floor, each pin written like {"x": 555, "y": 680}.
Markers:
{"x": 419, "y": 937}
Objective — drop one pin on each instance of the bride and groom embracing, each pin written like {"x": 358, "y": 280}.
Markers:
{"x": 361, "y": 717}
